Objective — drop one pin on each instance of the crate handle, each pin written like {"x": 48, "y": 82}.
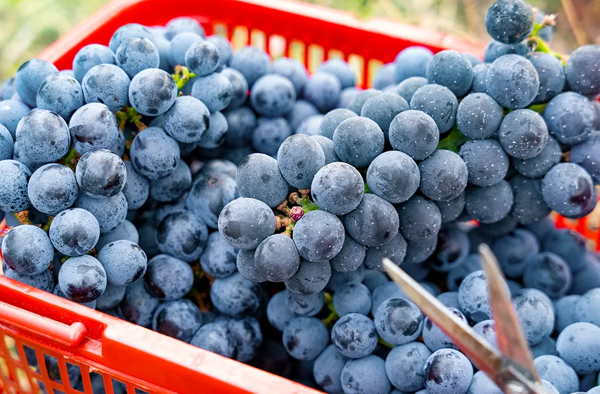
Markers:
{"x": 69, "y": 335}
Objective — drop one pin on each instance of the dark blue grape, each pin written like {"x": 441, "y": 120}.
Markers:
{"x": 74, "y": 232}
{"x": 404, "y": 366}
{"x": 181, "y": 25}
{"x": 311, "y": 277}
{"x": 93, "y": 127}
{"x": 481, "y": 383}
{"x": 305, "y": 305}
{"x": 235, "y": 295}
{"x": 245, "y": 222}
{"x": 578, "y": 345}
{"x": 486, "y": 161}
{"x": 187, "y": 120}
{"x": 489, "y": 204}
{"x": 82, "y": 278}
{"x": 202, "y": 58}
{"x": 110, "y": 212}
{"x": 523, "y": 134}
{"x": 444, "y": 175}
{"x": 373, "y": 279}
{"x": 328, "y": 369}
{"x": 278, "y": 313}
{"x": 414, "y": 133}
{"x": 357, "y": 141}
{"x": 216, "y": 134}
{"x": 147, "y": 239}
{"x": 61, "y": 94}
{"x": 337, "y": 188}
{"x": 582, "y": 70}
{"x": 173, "y": 186}
{"x": 450, "y": 69}
{"x": 293, "y": 70}
{"x": 567, "y": 189}
{"x": 209, "y": 194}
{"x": 27, "y": 250}
{"x": 354, "y": 335}
{"x": 509, "y": 21}
{"x": 352, "y": 297}
{"x": 7, "y": 89}
{"x": 305, "y": 337}
{"x": 299, "y": 158}
{"x": 451, "y": 209}
{"x": 277, "y": 258}
{"x": 449, "y": 299}
{"x": 438, "y": 102}
{"x": 247, "y": 267}
{"x": 549, "y": 273}
{"x": 452, "y": 248}
{"x": 350, "y": 257}
{"x": 258, "y": 177}
{"x": 52, "y": 188}
{"x": 409, "y": 86}
{"x": 137, "y": 54}
{"x": 554, "y": 370}
{"x": 43, "y": 136}
{"x": 395, "y": 250}
{"x": 539, "y": 165}
{"x": 311, "y": 126}
{"x": 218, "y": 258}
{"x": 551, "y": 73}
{"x": 216, "y": 338}
{"x": 536, "y": 314}
{"x": 239, "y": 87}
{"x": 383, "y": 108}
{"x": 246, "y": 333}
{"x": 58, "y": 292}
{"x": 479, "y": 77}
{"x": 412, "y": 62}
{"x": 168, "y": 278}
{"x": 163, "y": 45}
{"x": 360, "y": 98}
{"x": 513, "y": 250}
{"x": 512, "y": 81}
{"x": 570, "y": 118}
{"x": 385, "y": 76}
{"x": 332, "y": 119}
{"x": 178, "y": 319}
{"x": 106, "y": 84}
{"x": 339, "y": 278}
{"x": 6, "y": 144}
{"x": 154, "y": 154}
{"x": 434, "y": 337}
{"x": 136, "y": 188}
{"x": 529, "y": 206}
{"x": 43, "y": 281}
{"x": 447, "y": 371}
{"x": 398, "y": 321}
{"x": 328, "y": 149}
{"x": 585, "y": 309}
{"x": 319, "y": 236}
{"x": 272, "y": 96}
{"x": 565, "y": 311}
{"x": 11, "y": 112}
{"x": 478, "y": 116}
{"x": 495, "y": 50}
{"x": 340, "y": 69}
{"x": 124, "y": 262}
{"x": 100, "y": 174}
{"x": 182, "y": 235}
{"x": 29, "y": 78}
{"x": 127, "y": 32}
{"x": 152, "y": 92}
{"x": 301, "y": 111}
{"x": 384, "y": 292}
{"x": 13, "y": 194}
{"x": 179, "y": 46}
{"x": 214, "y": 90}
{"x": 323, "y": 90}
{"x": 252, "y": 62}
{"x": 585, "y": 155}
{"x": 374, "y": 222}
{"x": 365, "y": 376}
{"x": 269, "y": 134}
{"x": 112, "y": 296}
{"x": 473, "y": 297}
{"x": 420, "y": 219}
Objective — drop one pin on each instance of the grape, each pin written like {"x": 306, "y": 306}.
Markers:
{"x": 449, "y": 299}
{"x": 398, "y": 321}
{"x": 27, "y": 250}
{"x": 168, "y": 278}
{"x": 332, "y": 119}
{"x": 444, "y": 175}
{"x": 414, "y": 133}
{"x": 490, "y": 204}
{"x": 137, "y": 54}
{"x": 541, "y": 228}
{"x": 106, "y": 84}
{"x": 214, "y": 90}
{"x": 218, "y": 258}
{"x": 361, "y": 98}
{"x": 412, "y": 62}
{"x": 154, "y": 154}
{"x": 61, "y": 94}
{"x": 110, "y": 212}
{"x": 6, "y": 144}
{"x": 278, "y": 313}
{"x": 346, "y": 96}
{"x": 11, "y": 112}
{"x": 447, "y": 371}
{"x": 523, "y": 134}
{"x": 301, "y": 110}
{"x": 269, "y": 134}
{"x": 487, "y": 330}
{"x": 383, "y": 108}
{"x": 584, "y": 154}
{"x": 481, "y": 383}
{"x": 384, "y": 292}
{"x": 509, "y": 21}
{"x": 374, "y": 222}
{"x": 247, "y": 336}
{"x": 578, "y": 345}
{"x": 328, "y": 369}
{"x": 319, "y": 236}
{"x": 438, "y": 102}
{"x": 202, "y": 57}
{"x": 29, "y": 78}
{"x": 588, "y": 277}
{"x": 417, "y": 252}
{"x": 479, "y": 77}
{"x": 216, "y": 338}
{"x": 43, "y": 136}
{"x": 404, "y": 366}
{"x": 293, "y": 70}
{"x": 536, "y": 314}
{"x": 52, "y": 188}
{"x": 451, "y": 210}
{"x": 570, "y": 118}
{"x": 305, "y": 305}
{"x": 545, "y": 348}
{"x": 513, "y": 251}
{"x": 373, "y": 279}
{"x": 567, "y": 189}
{"x": 178, "y": 319}
{"x": 124, "y": 261}
{"x": 365, "y": 376}
{"x": 252, "y": 62}
{"x": 352, "y": 298}
{"x": 181, "y": 25}
{"x": 539, "y": 165}
{"x": 82, "y": 278}
{"x": 217, "y": 166}
{"x": 214, "y": 136}
{"x": 420, "y": 219}
{"x": 339, "y": 278}
{"x": 299, "y": 158}
{"x": 585, "y": 310}
{"x": 235, "y": 295}
{"x": 179, "y": 46}
{"x": 450, "y": 69}
{"x": 551, "y": 73}
{"x": 548, "y": 273}
{"x": 582, "y": 70}
{"x": 529, "y": 206}
{"x": 409, "y": 86}
{"x": 239, "y": 87}
{"x": 188, "y": 120}
{"x": 127, "y": 32}
{"x": 554, "y": 370}
{"x": 512, "y": 81}
{"x": 93, "y": 127}
{"x": 247, "y": 267}
{"x": 434, "y": 337}
{"x": 100, "y": 174}
{"x": 350, "y": 257}
{"x": 473, "y": 297}
{"x": 328, "y": 149}
{"x": 478, "y": 116}
{"x": 152, "y": 92}
{"x": 43, "y": 281}
{"x": 258, "y": 177}
{"x": 147, "y": 239}
{"x": 245, "y": 222}
{"x": 337, "y": 188}
{"x": 74, "y": 232}
{"x": 7, "y": 89}
{"x": 112, "y": 296}
{"x": 358, "y": 141}
{"x": 311, "y": 126}
{"x": 182, "y": 235}
{"x": 277, "y": 258}
{"x": 395, "y": 250}
{"x": 323, "y": 90}
{"x": 209, "y": 194}
{"x": 58, "y": 292}
{"x": 341, "y": 70}
{"x": 565, "y": 311}
{"x": 241, "y": 122}
{"x": 385, "y": 76}
{"x": 172, "y": 187}
{"x": 136, "y": 188}
{"x": 305, "y": 337}
{"x": 311, "y": 277}
{"x": 272, "y": 96}
{"x": 486, "y": 162}
{"x": 458, "y": 273}
{"x": 163, "y": 45}
{"x": 452, "y": 248}
{"x": 354, "y": 335}
{"x": 14, "y": 177}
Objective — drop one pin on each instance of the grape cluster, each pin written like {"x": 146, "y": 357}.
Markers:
{"x": 240, "y": 205}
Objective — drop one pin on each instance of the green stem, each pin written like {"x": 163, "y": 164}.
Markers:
{"x": 384, "y": 343}
{"x": 453, "y": 141}
{"x": 182, "y": 76}
{"x": 70, "y": 159}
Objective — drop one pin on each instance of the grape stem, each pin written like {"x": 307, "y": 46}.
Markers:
{"x": 70, "y": 159}
{"x": 182, "y": 76}
{"x": 130, "y": 115}
{"x": 333, "y": 316}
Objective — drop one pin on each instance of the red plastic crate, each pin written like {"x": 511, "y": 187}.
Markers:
{"x": 142, "y": 359}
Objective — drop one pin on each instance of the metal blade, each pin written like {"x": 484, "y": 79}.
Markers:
{"x": 511, "y": 340}
{"x": 482, "y": 354}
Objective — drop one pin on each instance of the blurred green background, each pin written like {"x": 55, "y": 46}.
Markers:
{"x": 28, "y": 26}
